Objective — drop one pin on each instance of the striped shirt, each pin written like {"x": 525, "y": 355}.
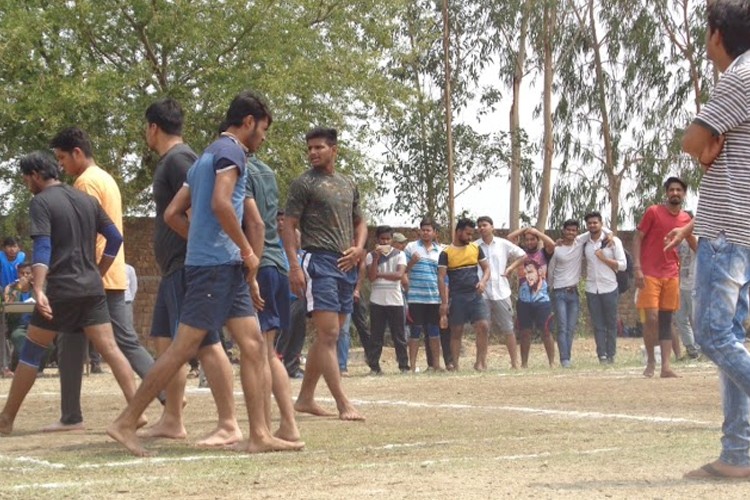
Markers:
{"x": 725, "y": 188}
{"x": 423, "y": 277}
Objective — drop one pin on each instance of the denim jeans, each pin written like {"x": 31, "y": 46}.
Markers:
{"x": 567, "y": 307}
{"x": 342, "y": 345}
{"x": 722, "y": 282}
{"x": 683, "y": 319}
{"x": 603, "y": 310}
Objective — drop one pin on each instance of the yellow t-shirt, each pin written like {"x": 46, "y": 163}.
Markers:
{"x": 103, "y": 187}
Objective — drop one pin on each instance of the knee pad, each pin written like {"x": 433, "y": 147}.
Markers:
{"x": 415, "y": 331}
{"x": 433, "y": 331}
{"x": 32, "y": 353}
{"x": 665, "y": 325}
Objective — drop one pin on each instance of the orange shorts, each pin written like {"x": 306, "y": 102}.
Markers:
{"x": 659, "y": 293}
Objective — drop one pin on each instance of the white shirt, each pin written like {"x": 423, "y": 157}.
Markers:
{"x": 600, "y": 278}
{"x": 132, "y": 288}
{"x": 497, "y": 254}
{"x": 387, "y": 292}
{"x": 565, "y": 267}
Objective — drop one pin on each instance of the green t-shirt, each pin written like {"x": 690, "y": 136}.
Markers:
{"x": 261, "y": 186}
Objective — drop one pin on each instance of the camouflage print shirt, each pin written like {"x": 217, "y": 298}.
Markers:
{"x": 327, "y": 206}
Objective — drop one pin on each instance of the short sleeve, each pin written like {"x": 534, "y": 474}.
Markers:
{"x": 297, "y": 199}
{"x": 647, "y": 222}
{"x": 40, "y": 218}
{"x": 728, "y": 106}
{"x": 102, "y": 219}
{"x": 356, "y": 211}
{"x": 443, "y": 259}
{"x": 401, "y": 260}
{"x": 481, "y": 256}
{"x": 368, "y": 259}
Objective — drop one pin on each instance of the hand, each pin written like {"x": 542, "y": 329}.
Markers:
{"x": 258, "y": 301}
{"x": 443, "y": 309}
{"x": 711, "y": 152}
{"x": 675, "y": 237}
{"x": 415, "y": 258}
{"x": 356, "y": 295}
{"x": 42, "y": 305}
{"x": 350, "y": 259}
{"x": 297, "y": 281}
{"x": 252, "y": 263}
{"x": 640, "y": 280}
{"x": 481, "y": 287}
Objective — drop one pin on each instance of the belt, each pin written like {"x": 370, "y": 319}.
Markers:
{"x": 567, "y": 289}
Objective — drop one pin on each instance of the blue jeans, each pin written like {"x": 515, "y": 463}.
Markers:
{"x": 342, "y": 345}
{"x": 683, "y": 319}
{"x": 603, "y": 310}
{"x": 722, "y": 282}
{"x": 567, "y": 307}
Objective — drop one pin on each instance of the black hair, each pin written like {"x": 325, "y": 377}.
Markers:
{"x": 330, "y": 135}
{"x": 732, "y": 19}
{"x": 427, "y": 221}
{"x": 591, "y": 215}
{"x": 280, "y": 212}
{"x": 383, "y": 230}
{"x": 246, "y": 103}
{"x": 570, "y": 223}
{"x": 23, "y": 265}
{"x": 167, "y": 115}
{"x": 487, "y": 219}
{"x": 672, "y": 180}
{"x": 464, "y": 223}
{"x": 40, "y": 162}
{"x": 70, "y": 138}
{"x": 9, "y": 241}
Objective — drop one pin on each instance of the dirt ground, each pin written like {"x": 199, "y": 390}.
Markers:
{"x": 586, "y": 432}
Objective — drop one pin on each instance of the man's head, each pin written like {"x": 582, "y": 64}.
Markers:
{"x": 465, "y": 231}
{"x": 486, "y": 227}
{"x": 399, "y": 241}
{"x": 163, "y": 117}
{"x": 248, "y": 118}
{"x": 530, "y": 241}
{"x": 728, "y": 35}
{"x": 427, "y": 229}
{"x": 72, "y": 148}
{"x": 11, "y": 248}
{"x": 593, "y": 223}
{"x": 384, "y": 235}
{"x": 37, "y": 168}
{"x": 322, "y": 147}
{"x": 675, "y": 188}
{"x": 570, "y": 230}
{"x": 280, "y": 220}
{"x": 24, "y": 272}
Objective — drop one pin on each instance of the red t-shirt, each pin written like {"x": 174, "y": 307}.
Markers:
{"x": 656, "y": 223}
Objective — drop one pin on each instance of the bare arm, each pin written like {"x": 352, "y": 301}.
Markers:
{"x": 394, "y": 276}
{"x": 514, "y": 235}
{"x": 637, "y": 240}
{"x": 549, "y": 243}
{"x": 255, "y": 228}
{"x": 700, "y": 143}
{"x": 176, "y": 215}
{"x": 482, "y": 285}
{"x": 372, "y": 269}
{"x": 289, "y": 238}
{"x": 442, "y": 272}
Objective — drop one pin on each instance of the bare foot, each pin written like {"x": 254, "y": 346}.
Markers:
{"x": 312, "y": 408}
{"x": 6, "y": 426}
{"x": 127, "y": 438}
{"x": 61, "y": 427}
{"x": 669, "y": 374}
{"x": 649, "y": 371}
{"x": 169, "y": 430}
{"x": 350, "y": 414}
{"x": 221, "y": 437}
{"x": 267, "y": 445}
{"x": 480, "y": 367}
{"x": 142, "y": 421}
{"x": 288, "y": 433}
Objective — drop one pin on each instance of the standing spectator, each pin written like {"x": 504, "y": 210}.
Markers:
{"x": 342, "y": 346}
{"x": 684, "y": 315}
{"x": 460, "y": 262}
{"x": 385, "y": 268}
{"x": 423, "y": 296}
{"x": 657, "y": 273}
{"x": 604, "y": 257}
{"x": 131, "y": 290}
{"x": 10, "y": 257}
{"x": 719, "y": 138}
{"x": 564, "y": 273}
{"x": 499, "y": 253}
{"x": 534, "y": 307}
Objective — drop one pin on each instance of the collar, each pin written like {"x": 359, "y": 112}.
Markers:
{"x": 236, "y": 141}
{"x": 736, "y": 59}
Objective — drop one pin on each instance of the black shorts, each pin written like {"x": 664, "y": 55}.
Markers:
{"x": 534, "y": 315}
{"x": 72, "y": 315}
{"x": 424, "y": 314}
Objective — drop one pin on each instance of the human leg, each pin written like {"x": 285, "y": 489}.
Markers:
{"x": 70, "y": 351}
{"x": 595, "y": 305}
{"x": 102, "y": 336}
{"x": 127, "y": 339}
{"x": 609, "y": 303}
{"x": 359, "y": 318}
{"x": 544, "y": 314}
{"x": 457, "y": 332}
{"x": 171, "y": 424}
{"x": 665, "y": 341}
{"x": 282, "y": 393}
{"x": 343, "y": 344}
{"x": 560, "y": 304}
{"x": 684, "y": 322}
{"x": 397, "y": 324}
{"x": 378, "y": 321}
{"x": 525, "y": 324}
{"x": 292, "y": 339}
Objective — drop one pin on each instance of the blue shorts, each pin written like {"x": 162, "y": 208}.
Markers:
{"x": 274, "y": 289}
{"x": 467, "y": 308}
{"x": 168, "y": 307}
{"x": 328, "y": 287}
{"x": 213, "y": 295}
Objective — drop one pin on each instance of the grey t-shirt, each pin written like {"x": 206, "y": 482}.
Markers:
{"x": 71, "y": 219}
{"x": 327, "y": 205}
{"x": 170, "y": 174}
{"x": 261, "y": 186}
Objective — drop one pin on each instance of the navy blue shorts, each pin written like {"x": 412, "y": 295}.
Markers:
{"x": 168, "y": 307}
{"x": 274, "y": 289}
{"x": 467, "y": 308}
{"x": 534, "y": 315}
{"x": 328, "y": 287}
{"x": 72, "y": 315}
{"x": 213, "y": 295}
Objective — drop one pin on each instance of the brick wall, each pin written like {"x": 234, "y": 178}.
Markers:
{"x": 139, "y": 254}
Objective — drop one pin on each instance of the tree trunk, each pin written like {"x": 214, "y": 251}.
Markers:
{"x": 514, "y": 213}
{"x": 448, "y": 115}
{"x": 550, "y": 19}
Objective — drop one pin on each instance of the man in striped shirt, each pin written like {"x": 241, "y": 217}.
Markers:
{"x": 719, "y": 138}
